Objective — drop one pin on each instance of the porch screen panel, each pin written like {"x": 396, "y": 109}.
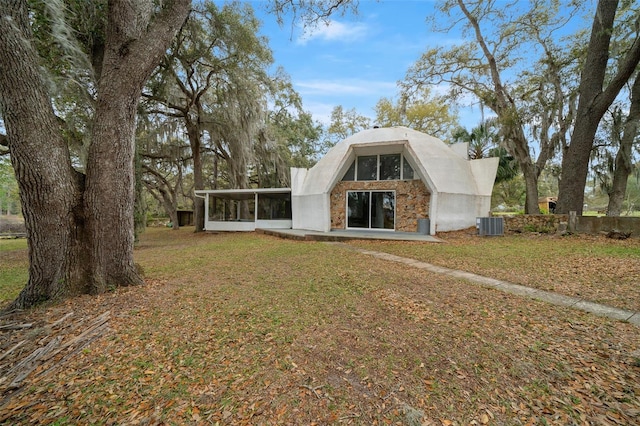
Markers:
{"x": 274, "y": 206}
{"x": 216, "y": 208}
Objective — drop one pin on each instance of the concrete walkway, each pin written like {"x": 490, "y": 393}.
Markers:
{"x": 345, "y": 235}
{"x": 520, "y": 290}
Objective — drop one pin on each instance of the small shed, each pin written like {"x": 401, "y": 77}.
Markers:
{"x": 185, "y": 217}
{"x": 547, "y": 204}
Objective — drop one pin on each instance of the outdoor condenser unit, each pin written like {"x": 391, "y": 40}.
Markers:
{"x": 490, "y": 225}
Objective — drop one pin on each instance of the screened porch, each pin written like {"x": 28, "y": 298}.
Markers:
{"x": 246, "y": 209}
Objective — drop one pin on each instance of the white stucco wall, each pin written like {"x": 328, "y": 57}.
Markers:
{"x": 311, "y": 212}
{"x": 459, "y": 211}
{"x": 453, "y": 212}
{"x": 484, "y": 172}
{"x": 298, "y": 176}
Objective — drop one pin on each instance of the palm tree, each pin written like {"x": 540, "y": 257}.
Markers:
{"x": 484, "y": 142}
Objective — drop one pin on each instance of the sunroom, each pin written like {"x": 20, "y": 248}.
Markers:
{"x": 246, "y": 209}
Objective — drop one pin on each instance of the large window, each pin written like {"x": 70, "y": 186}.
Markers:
{"x": 367, "y": 167}
{"x": 371, "y": 209}
{"x": 379, "y": 167}
{"x": 390, "y": 167}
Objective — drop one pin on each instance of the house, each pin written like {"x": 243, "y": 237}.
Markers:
{"x": 387, "y": 179}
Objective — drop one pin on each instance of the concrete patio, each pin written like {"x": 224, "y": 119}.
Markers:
{"x": 345, "y": 235}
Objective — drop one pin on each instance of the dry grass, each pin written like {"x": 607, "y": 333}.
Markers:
{"x": 247, "y": 329}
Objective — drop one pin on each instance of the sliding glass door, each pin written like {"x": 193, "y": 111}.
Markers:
{"x": 371, "y": 209}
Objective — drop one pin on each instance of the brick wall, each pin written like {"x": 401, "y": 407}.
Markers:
{"x": 412, "y": 201}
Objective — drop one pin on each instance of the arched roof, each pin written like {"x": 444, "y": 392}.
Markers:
{"x": 443, "y": 168}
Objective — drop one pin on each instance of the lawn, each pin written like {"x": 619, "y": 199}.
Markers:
{"x": 250, "y": 329}
{"x": 595, "y": 268}
{"x": 14, "y": 267}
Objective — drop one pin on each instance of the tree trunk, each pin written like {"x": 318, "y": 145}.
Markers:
{"x": 592, "y": 105}
{"x": 49, "y": 192}
{"x": 109, "y": 197}
{"x": 131, "y": 53}
{"x": 531, "y": 205}
{"x": 80, "y": 238}
{"x": 194, "y": 134}
{"x": 623, "y": 164}
{"x": 140, "y": 206}
{"x": 516, "y": 144}
{"x": 170, "y": 206}
{"x": 504, "y": 106}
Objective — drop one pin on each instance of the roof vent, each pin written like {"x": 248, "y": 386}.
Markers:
{"x": 490, "y": 226}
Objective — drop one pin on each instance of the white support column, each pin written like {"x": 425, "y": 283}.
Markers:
{"x": 206, "y": 211}
{"x": 255, "y": 208}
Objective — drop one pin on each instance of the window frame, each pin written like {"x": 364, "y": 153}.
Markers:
{"x": 369, "y": 193}
{"x": 354, "y": 167}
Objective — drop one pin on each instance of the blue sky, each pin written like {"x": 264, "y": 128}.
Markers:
{"x": 355, "y": 60}
{"x": 358, "y": 59}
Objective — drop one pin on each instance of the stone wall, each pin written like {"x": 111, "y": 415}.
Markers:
{"x": 534, "y": 222}
{"x": 412, "y": 201}
{"x": 549, "y": 223}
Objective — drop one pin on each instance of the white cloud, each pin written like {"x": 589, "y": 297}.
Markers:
{"x": 335, "y": 31}
{"x": 352, "y": 87}
{"x": 321, "y": 96}
{"x": 320, "y": 111}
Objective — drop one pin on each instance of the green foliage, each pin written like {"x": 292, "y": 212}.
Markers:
{"x": 295, "y": 138}
{"x": 420, "y": 111}
{"x": 481, "y": 139}
{"x": 540, "y": 229}
{"x": 507, "y": 166}
{"x": 511, "y": 61}
{"x": 484, "y": 142}
{"x": 245, "y": 125}
{"x": 509, "y": 193}
{"x": 344, "y": 124}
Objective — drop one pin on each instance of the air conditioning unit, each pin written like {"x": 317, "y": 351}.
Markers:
{"x": 490, "y": 225}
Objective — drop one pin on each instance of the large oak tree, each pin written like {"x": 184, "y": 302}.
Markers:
{"x": 595, "y": 98}
{"x": 80, "y": 225}
{"x": 624, "y": 156}
{"x": 511, "y": 64}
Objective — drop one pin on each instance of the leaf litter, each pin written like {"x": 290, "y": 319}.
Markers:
{"x": 247, "y": 329}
